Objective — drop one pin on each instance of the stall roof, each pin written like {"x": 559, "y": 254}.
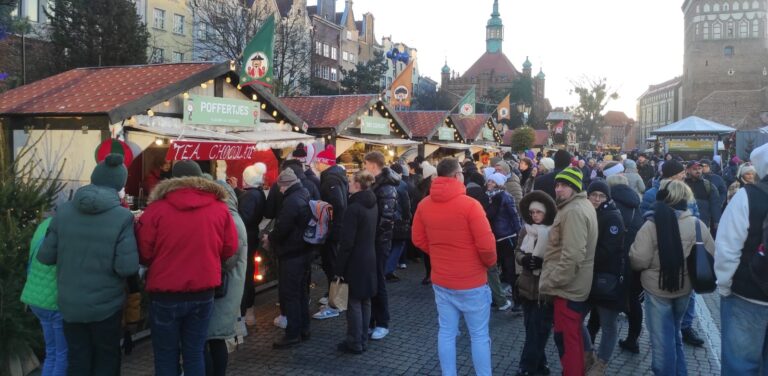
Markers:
{"x": 423, "y": 123}
{"x": 693, "y": 125}
{"x": 117, "y": 92}
{"x": 470, "y": 126}
{"x": 174, "y": 128}
{"x": 451, "y": 145}
{"x": 328, "y": 111}
{"x": 382, "y": 141}
{"x": 559, "y": 115}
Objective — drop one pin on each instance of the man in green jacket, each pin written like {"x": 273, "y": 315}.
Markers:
{"x": 566, "y": 274}
{"x": 91, "y": 241}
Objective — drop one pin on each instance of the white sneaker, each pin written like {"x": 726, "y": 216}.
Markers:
{"x": 403, "y": 266}
{"x": 325, "y": 313}
{"x": 323, "y": 300}
{"x": 281, "y": 321}
{"x": 506, "y": 306}
{"x": 379, "y": 333}
{"x": 507, "y": 290}
{"x": 250, "y": 318}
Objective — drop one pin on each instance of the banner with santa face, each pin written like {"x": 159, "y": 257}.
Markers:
{"x": 402, "y": 87}
{"x": 256, "y": 67}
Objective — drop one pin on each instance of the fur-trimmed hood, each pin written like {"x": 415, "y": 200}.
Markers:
{"x": 543, "y": 198}
{"x": 189, "y": 192}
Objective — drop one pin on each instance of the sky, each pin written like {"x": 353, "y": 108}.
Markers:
{"x": 633, "y": 44}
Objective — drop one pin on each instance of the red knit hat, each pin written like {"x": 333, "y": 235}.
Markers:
{"x": 327, "y": 156}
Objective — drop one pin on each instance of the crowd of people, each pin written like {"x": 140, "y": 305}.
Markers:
{"x": 569, "y": 242}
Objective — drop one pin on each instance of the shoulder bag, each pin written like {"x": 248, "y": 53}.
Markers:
{"x": 701, "y": 266}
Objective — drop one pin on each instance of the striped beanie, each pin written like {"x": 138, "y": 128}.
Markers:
{"x": 571, "y": 176}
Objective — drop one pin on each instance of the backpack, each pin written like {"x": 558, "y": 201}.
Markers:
{"x": 319, "y": 224}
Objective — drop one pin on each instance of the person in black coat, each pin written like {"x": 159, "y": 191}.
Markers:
{"x": 402, "y": 228}
{"x": 385, "y": 188}
{"x": 356, "y": 262}
{"x": 628, "y": 203}
{"x": 251, "y": 204}
{"x": 294, "y": 258}
{"x": 610, "y": 263}
{"x": 275, "y": 198}
{"x": 334, "y": 189}
{"x": 546, "y": 182}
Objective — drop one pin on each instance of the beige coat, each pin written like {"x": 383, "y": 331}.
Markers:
{"x": 644, "y": 253}
{"x": 570, "y": 256}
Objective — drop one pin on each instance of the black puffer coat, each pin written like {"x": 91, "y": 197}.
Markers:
{"x": 628, "y": 202}
{"x": 251, "y": 204}
{"x": 610, "y": 254}
{"x": 385, "y": 188}
{"x": 334, "y": 189}
{"x": 356, "y": 260}
{"x": 287, "y": 238}
{"x": 275, "y": 198}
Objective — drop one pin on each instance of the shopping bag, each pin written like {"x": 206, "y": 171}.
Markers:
{"x": 338, "y": 296}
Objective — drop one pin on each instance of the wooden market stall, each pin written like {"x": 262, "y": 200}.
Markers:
{"x": 355, "y": 125}
{"x": 693, "y": 137}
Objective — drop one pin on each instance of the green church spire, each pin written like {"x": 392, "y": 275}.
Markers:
{"x": 494, "y": 30}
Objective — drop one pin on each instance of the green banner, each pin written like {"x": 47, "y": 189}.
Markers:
{"x": 467, "y": 104}
{"x": 256, "y": 67}
{"x": 374, "y": 125}
{"x": 221, "y": 112}
{"x": 488, "y": 134}
{"x": 446, "y": 134}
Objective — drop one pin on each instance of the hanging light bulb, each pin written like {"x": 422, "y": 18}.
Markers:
{"x": 274, "y": 113}
{"x": 263, "y": 106}
{"x": 229, "y": 80}
{"x": 186, "y": 95}
{"x": 167, "y": 103}
{"x": 391, "y": 153}
{"x": 204, "y": 85}
{"x": 239, "y": 87}
{"x": 254, "y": 97}
{"x": 158, "y": 141}
{"x": 150, "y": 112}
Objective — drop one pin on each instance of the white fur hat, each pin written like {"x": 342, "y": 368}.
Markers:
{"x": 759, "y": 158}
{"x": 253, "y": 176}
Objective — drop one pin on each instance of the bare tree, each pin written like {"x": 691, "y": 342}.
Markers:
{"x": 224, "y": 28}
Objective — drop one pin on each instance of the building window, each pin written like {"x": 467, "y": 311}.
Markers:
{"x": 334, "y": 74}
{"x": 726, "y": 7}
{"x": 746, "y": 5}
{"x": 706, "y": 30}
{"x": 158, "y": 55}
{"x": 159, "y": 19}
{"x": 729, "y": 32}
{"x": 706, "y": 8}
{"x": 177, "y": 57}
{"x": 326, "y": 73}
{"x": 736, "y": 6}
{"x": 349, "y": 35}
{"x": 743, "y": 29}
{"x": 344, "y": 55}
{"x": 755, "y": 28}
{"x": 178, "y": 24}
{"x": 352, "y": 58}
{"x": 716, "y": 8}
{"x": 326, "y": 50}
{"x": 755, "y": 5}
{"x": 717, "y": 31}
{"x": 318, "y": 71}
{"x": 31, "y": 9}
{"x": 334, "y": 53}
{"x": 202, "y": 32}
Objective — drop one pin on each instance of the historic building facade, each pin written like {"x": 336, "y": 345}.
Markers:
{"x": 658, "y": 106}
{"x": 725, "y": 76}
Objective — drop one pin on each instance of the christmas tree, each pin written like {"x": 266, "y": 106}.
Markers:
{"x": 25, "y": 194}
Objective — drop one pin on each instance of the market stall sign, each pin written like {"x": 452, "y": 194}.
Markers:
{"x": 445, "y": 134}
{"x": 210, "y": 151}
{"x": 690, "y": 145}
{"x": 488, "y": 134}
{"x": 374, "y": 125}
{"x": 200, "y": 110}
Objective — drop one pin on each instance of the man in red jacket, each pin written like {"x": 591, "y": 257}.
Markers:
{"x": 453, "y": 230}
{"x": 184, "y": 236}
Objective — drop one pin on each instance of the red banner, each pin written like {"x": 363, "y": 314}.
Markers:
{"x": 210, "y": 151}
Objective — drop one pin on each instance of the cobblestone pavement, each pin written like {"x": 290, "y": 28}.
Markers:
{"x": 411, "y": 347}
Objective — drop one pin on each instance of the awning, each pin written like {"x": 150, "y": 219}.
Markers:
{"x": 451, "y": 145}
{"x": 382, "y": 141}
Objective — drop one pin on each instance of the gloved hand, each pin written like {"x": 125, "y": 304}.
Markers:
{"x": 535, "y": 263}
{"x": 526, "y": 261}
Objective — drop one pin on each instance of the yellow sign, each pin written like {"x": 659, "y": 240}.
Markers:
{"x": 690, "y": 145}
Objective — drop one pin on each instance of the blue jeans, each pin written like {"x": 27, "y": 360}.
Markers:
{"x": 394, "y": 256}
{"x": 55, "y": 343}
{"x": 184, "y": 323}
{"x": 608, "y": 324}
{"x": 744, "y": 326}
{"x": 475, "y": 306}
{"x": 690, "y": 313}
{"x": 663, "y": 317}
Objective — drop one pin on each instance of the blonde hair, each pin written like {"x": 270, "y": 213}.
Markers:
{"x": 364, "y": 178}
{"x": 678, "y": 191}
{"x": 616, "y": 180}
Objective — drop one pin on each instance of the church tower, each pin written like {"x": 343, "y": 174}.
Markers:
{"x": 494, "y": 31}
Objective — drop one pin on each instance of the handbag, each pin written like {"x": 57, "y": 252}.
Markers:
{"x": 606, "y": 286}
{"x": 701, "y": 266}
{"x": 527, "y": 286}
{"x": 338, "y": 295}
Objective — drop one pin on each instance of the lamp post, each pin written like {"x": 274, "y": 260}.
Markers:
{"x": 524, "y": 109}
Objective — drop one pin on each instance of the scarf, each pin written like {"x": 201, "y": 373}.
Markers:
{"x": 524, "y": 175}
{"x": 671, "y": 255}
{"x": 530, "y": 243}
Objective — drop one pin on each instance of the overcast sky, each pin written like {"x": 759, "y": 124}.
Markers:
{"x": 631, "y": 43}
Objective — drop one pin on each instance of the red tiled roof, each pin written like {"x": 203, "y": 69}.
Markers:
{"x": 422, "y": 123}
{"x": 470, "y": 126}
{"x": 95, "y": 90}
{"x": 615, "y": 119}
{"x": 539, "y": 138}
{"x": 496, "y": 62}
{"x": 327, "y": 111}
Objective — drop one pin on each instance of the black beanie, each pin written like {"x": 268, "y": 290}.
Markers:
{"x": 600, "y": 186}
{"x": 397, "y": 168}
{"x": 300, "y": 152}
{"x": 671, "y": 168}
{"x": 111, "y": 172}
{"x": 186, "y": 168}
{"x": 562, "y": 159}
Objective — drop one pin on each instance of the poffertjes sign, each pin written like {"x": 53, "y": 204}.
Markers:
{"x": 213, "y": 151}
